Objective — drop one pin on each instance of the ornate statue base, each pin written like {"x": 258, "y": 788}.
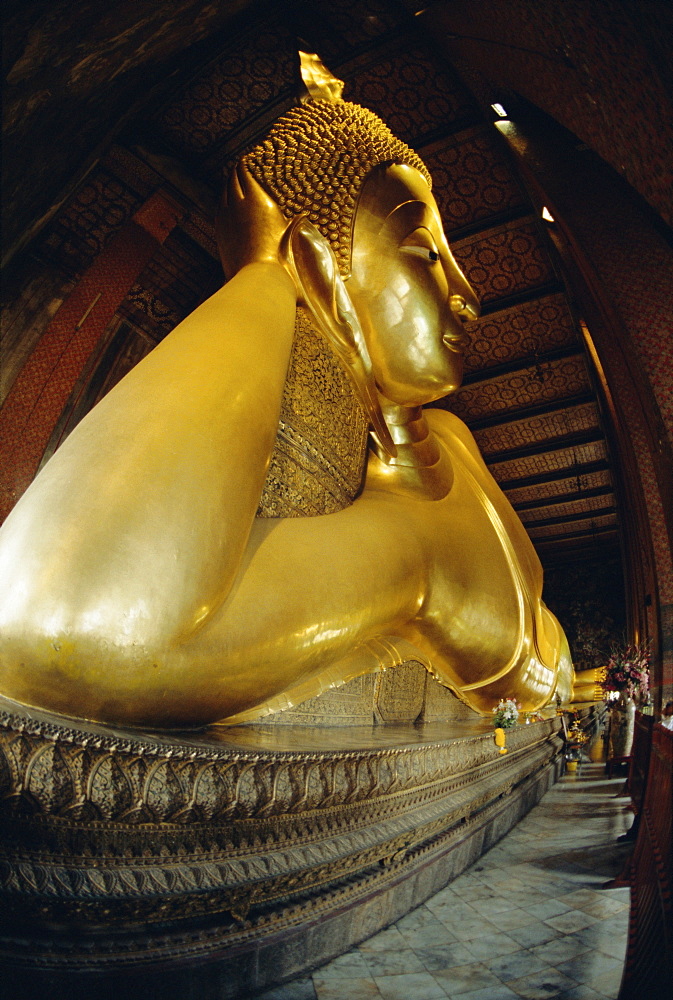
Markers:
{"x": 219, "y": 863}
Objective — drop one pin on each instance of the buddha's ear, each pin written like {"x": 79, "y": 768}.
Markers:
{"x": 314, "y": 268}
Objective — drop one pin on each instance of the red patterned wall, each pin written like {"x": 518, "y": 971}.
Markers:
{"x": 39, "y": 393}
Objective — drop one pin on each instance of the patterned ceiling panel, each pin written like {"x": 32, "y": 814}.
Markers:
{"x": 178, "y": 278}
{"x": 470, "y": 178}
{"x": 92, "y": 216}
{"x": 359, "y": 26}
{"x": 570, "y": 527}
{"x": 567, "y": 510}
{"x": 510, "y": 392}
{"x": 545, "y": 427}
{"x": 508, "y": 259}
{"x": 527, "y": 494}
{"x": 202, "y": 231}
{"x": 132, "y": 171}
{"x": 565, "y": 458}
{"x": 207, "y": 122}
{"x": 412, "y": 96}
{"x": 519, "y": 332}
{"x": 246, "y": 79}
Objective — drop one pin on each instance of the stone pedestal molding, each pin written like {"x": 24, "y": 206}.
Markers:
{"x": 236, "y": 858}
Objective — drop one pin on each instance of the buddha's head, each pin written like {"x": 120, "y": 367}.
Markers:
{"x": 369, "y": 197}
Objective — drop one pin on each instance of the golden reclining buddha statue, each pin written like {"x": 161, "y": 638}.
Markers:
{"x": 261, "y": 509}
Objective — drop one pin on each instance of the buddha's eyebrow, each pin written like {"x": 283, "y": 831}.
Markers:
{"x": 412, "y": 201}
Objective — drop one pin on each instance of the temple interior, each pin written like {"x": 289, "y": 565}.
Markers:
{"x": 545, "y": 125}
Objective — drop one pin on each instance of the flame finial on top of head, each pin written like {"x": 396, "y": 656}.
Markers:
{"x": 317, "y": 83}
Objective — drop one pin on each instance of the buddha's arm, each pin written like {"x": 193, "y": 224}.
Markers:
{"x": 135, "y": 529}
{"x": 548, "y": 642}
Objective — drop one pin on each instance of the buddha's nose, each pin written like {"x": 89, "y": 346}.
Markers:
{"x": 465, "y": 308}
{"x": 463, "y": 300}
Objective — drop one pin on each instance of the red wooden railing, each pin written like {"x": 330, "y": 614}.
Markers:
{"x": 649, "y": 958}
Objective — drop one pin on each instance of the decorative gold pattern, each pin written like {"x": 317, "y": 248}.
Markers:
{"x": 399, "y": 694}
{"x": 125, "y": 829}
{"x": 319, "y": 456}
{"x": 352, "y": 704}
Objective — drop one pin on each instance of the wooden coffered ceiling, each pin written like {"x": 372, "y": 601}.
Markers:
{"x": 528, "y": 393}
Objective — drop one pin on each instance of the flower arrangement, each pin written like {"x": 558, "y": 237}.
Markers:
{"x": 628, "y": 670}
{"x": 506, "y": 713}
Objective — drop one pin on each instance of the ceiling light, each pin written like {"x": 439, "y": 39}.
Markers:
{"x": 499, "y": 110}
{"x": 547, "y": 216}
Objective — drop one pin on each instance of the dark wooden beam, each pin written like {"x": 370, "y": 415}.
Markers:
{"x": 558, "y": 555}
{"x": 597, "y": 491}
{"x": 535, "y": 410}
{"x": 555, "y": 475}
{"x": 490, "y": 222}
{"x": 583, "y": 515}
{"x": 584, "y": 533}
{"x": 518, "y": 298}
{"x": 520, "y": 364}
{"x": 542, "y": 447}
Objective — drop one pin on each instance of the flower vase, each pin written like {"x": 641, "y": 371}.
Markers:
{"x": 622, "y": 724}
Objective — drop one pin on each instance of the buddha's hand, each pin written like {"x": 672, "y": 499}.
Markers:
{"x": 250, "y": 225}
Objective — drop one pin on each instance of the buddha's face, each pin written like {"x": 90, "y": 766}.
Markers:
{"x": 410, "y": 295}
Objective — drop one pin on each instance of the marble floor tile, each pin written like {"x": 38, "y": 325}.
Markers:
{"x": 510, "y": 919}
{"x": 530, "y": 919}
{"x": 581, "y": 992}
{"x": 550, "y": 908}
{"x": 452, "y": 906}
{"x": 491, "y": 946}
{"x": 445, "y": 957}
{"x": 515, "y": 965}
{"x": 609, "y": 983}
{"x": 388, "y": 940}
{"x": 570, "y": 921}
{"x": 613, "y": 945}
{"x": 532, "y": 934}
{"x": 560, "y": 949}
{"x": 466, "y": 978}
{"x": 346, "y": 989}
{"x": 382, "y": 963}
{"x": 590, "y": 966}
{"x": 531, "y": 897}
{"x": 416, "y": 918}
{"x": 299, "y": 989}
{"x": 349, "y": 966}
{"x": 468, "y": 930}
{"x": 419, "y": 986}
{"x": 500, "y": 992}
{"x": 472, "y": 892}
{"x": 493, "y": 904}
{"x": 582, "y": 899}
{"x": 431, "y": 934}
{"x": 543, "y": 985}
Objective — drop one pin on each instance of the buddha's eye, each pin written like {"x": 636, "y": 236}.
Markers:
{"x": 421, "y": 243}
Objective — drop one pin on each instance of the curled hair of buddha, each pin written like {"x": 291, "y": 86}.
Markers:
{"x": 315, "y": 159}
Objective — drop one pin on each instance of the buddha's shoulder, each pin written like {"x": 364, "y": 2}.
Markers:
{"x": 452, "y": 430}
